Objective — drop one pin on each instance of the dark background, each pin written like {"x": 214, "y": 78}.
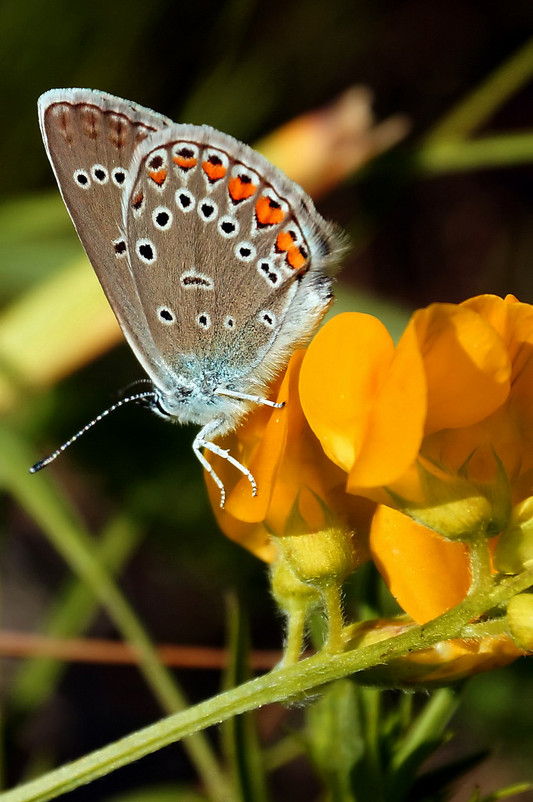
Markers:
{"x": 245, "y": 67}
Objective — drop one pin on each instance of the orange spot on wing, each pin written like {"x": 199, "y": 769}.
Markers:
{"x": 137, "y": 200}
{"x": 158, "y": 176}
{"x": 268, "y": 211}
{"x": 214, "y": 171}
{"x": 239, "y": 189}
{"x": 296, "y": 257}
{"x": 284, "y": 241}
{"x": 185, "y": 162}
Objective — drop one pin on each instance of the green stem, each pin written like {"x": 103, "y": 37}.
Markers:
{"x": 333, "y": 604}
{"x": 487, "y": 629}
{"x": 73, "y": 608}
{"x": 480, "y": 565}
{"x": 433, "y": 718}
{"x": 480, "y": 104}
{"x": 503, "y": 150}
{"x": 40, "y": 500}
{"x": 371, "y": 699}
{"x": 285, "y": 684}
{"x": 295, "y": 636}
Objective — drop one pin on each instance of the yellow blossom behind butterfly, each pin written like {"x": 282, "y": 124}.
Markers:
{"x": 296, "y": 480}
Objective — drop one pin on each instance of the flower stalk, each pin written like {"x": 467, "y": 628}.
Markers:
{"x": 284, "y": 685}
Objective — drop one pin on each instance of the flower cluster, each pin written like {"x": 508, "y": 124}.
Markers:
{"x": 417, "y": 455}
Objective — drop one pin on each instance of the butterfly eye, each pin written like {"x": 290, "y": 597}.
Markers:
{"x": 157, "y": 167}
{"x": 215, "y": 165}
{"x": 242, "y": 185}
{"x": 229, "y": 323}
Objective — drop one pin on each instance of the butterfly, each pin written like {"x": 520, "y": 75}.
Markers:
{"x": 216, "y": 265}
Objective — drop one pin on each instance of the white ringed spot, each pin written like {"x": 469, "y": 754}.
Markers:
{"x": 120, "y": 247}
{"x": 118, "y": 176}
{"x": 266, "y": 269}
{"x": 146, "y": 251}
{"x": 207, "y": 210}
{"x": 81, "y": 177}
{"x": 228, "y": 226}
{"x": 192, "y": 280}
{"x": 185, "y": 156}
{"x": 245, "y": 251}
{"x": 166, "y": 315}
{"x": 99, "y": 174}
{"x": 267, "y": 317}
{"x": 203, "y": 320}
{"x": 185, "y": 200}
{"x": 162, "y": 218}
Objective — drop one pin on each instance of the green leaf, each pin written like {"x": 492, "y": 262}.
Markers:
{"x": 69, "y": 616}
{"x": 335, "y": 742}
{"x": 425, "y": 735}
{"x": 239, "y": 734}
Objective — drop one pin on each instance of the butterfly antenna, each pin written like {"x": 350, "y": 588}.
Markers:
{"x": 51, "y": 457}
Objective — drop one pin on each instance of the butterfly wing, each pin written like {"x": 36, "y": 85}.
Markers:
{"x": 230, "y": 259}
{"x": 90, "y": 138}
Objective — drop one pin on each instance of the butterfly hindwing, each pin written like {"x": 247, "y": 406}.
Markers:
{"x": 226, "y": 256}
{"x": 90, "y": 138}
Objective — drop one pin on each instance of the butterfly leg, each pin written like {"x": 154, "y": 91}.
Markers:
{"x": 201, "y": 442}
{"x": 256, "y": 399}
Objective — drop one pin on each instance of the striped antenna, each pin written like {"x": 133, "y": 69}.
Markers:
{"x": 47, "y": 460}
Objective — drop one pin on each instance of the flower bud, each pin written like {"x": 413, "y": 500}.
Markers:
{"x": 520, "y": 619}
{"x": 455, "y": 506}
{"x": 320, "y": 558}
{"x": 514, "y": 551}
{"x": 291, "y": 593}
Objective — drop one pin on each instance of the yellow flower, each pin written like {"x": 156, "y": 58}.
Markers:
{"x": 300, "y": 491}
{"x": 437, "y": 665}
{"x": 439, "y": 427}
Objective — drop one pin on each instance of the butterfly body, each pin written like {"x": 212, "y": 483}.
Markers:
{"x": 215, "y": 263}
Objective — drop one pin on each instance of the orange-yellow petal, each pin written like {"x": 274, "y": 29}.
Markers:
{"x": 514, "y": 323}
{"x": 426, "y": 574}
{"x": 467, "y": 366}
{"x": 395, "y": 424}
{"x": 254, "y": 537}
{"x": 343, "y": 368}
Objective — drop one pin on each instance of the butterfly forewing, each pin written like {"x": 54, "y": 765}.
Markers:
{"x": 90, "y": 138}
{"x": 219, "y": 251}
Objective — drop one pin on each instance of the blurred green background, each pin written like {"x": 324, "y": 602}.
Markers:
{"x": 418, "y": 235}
